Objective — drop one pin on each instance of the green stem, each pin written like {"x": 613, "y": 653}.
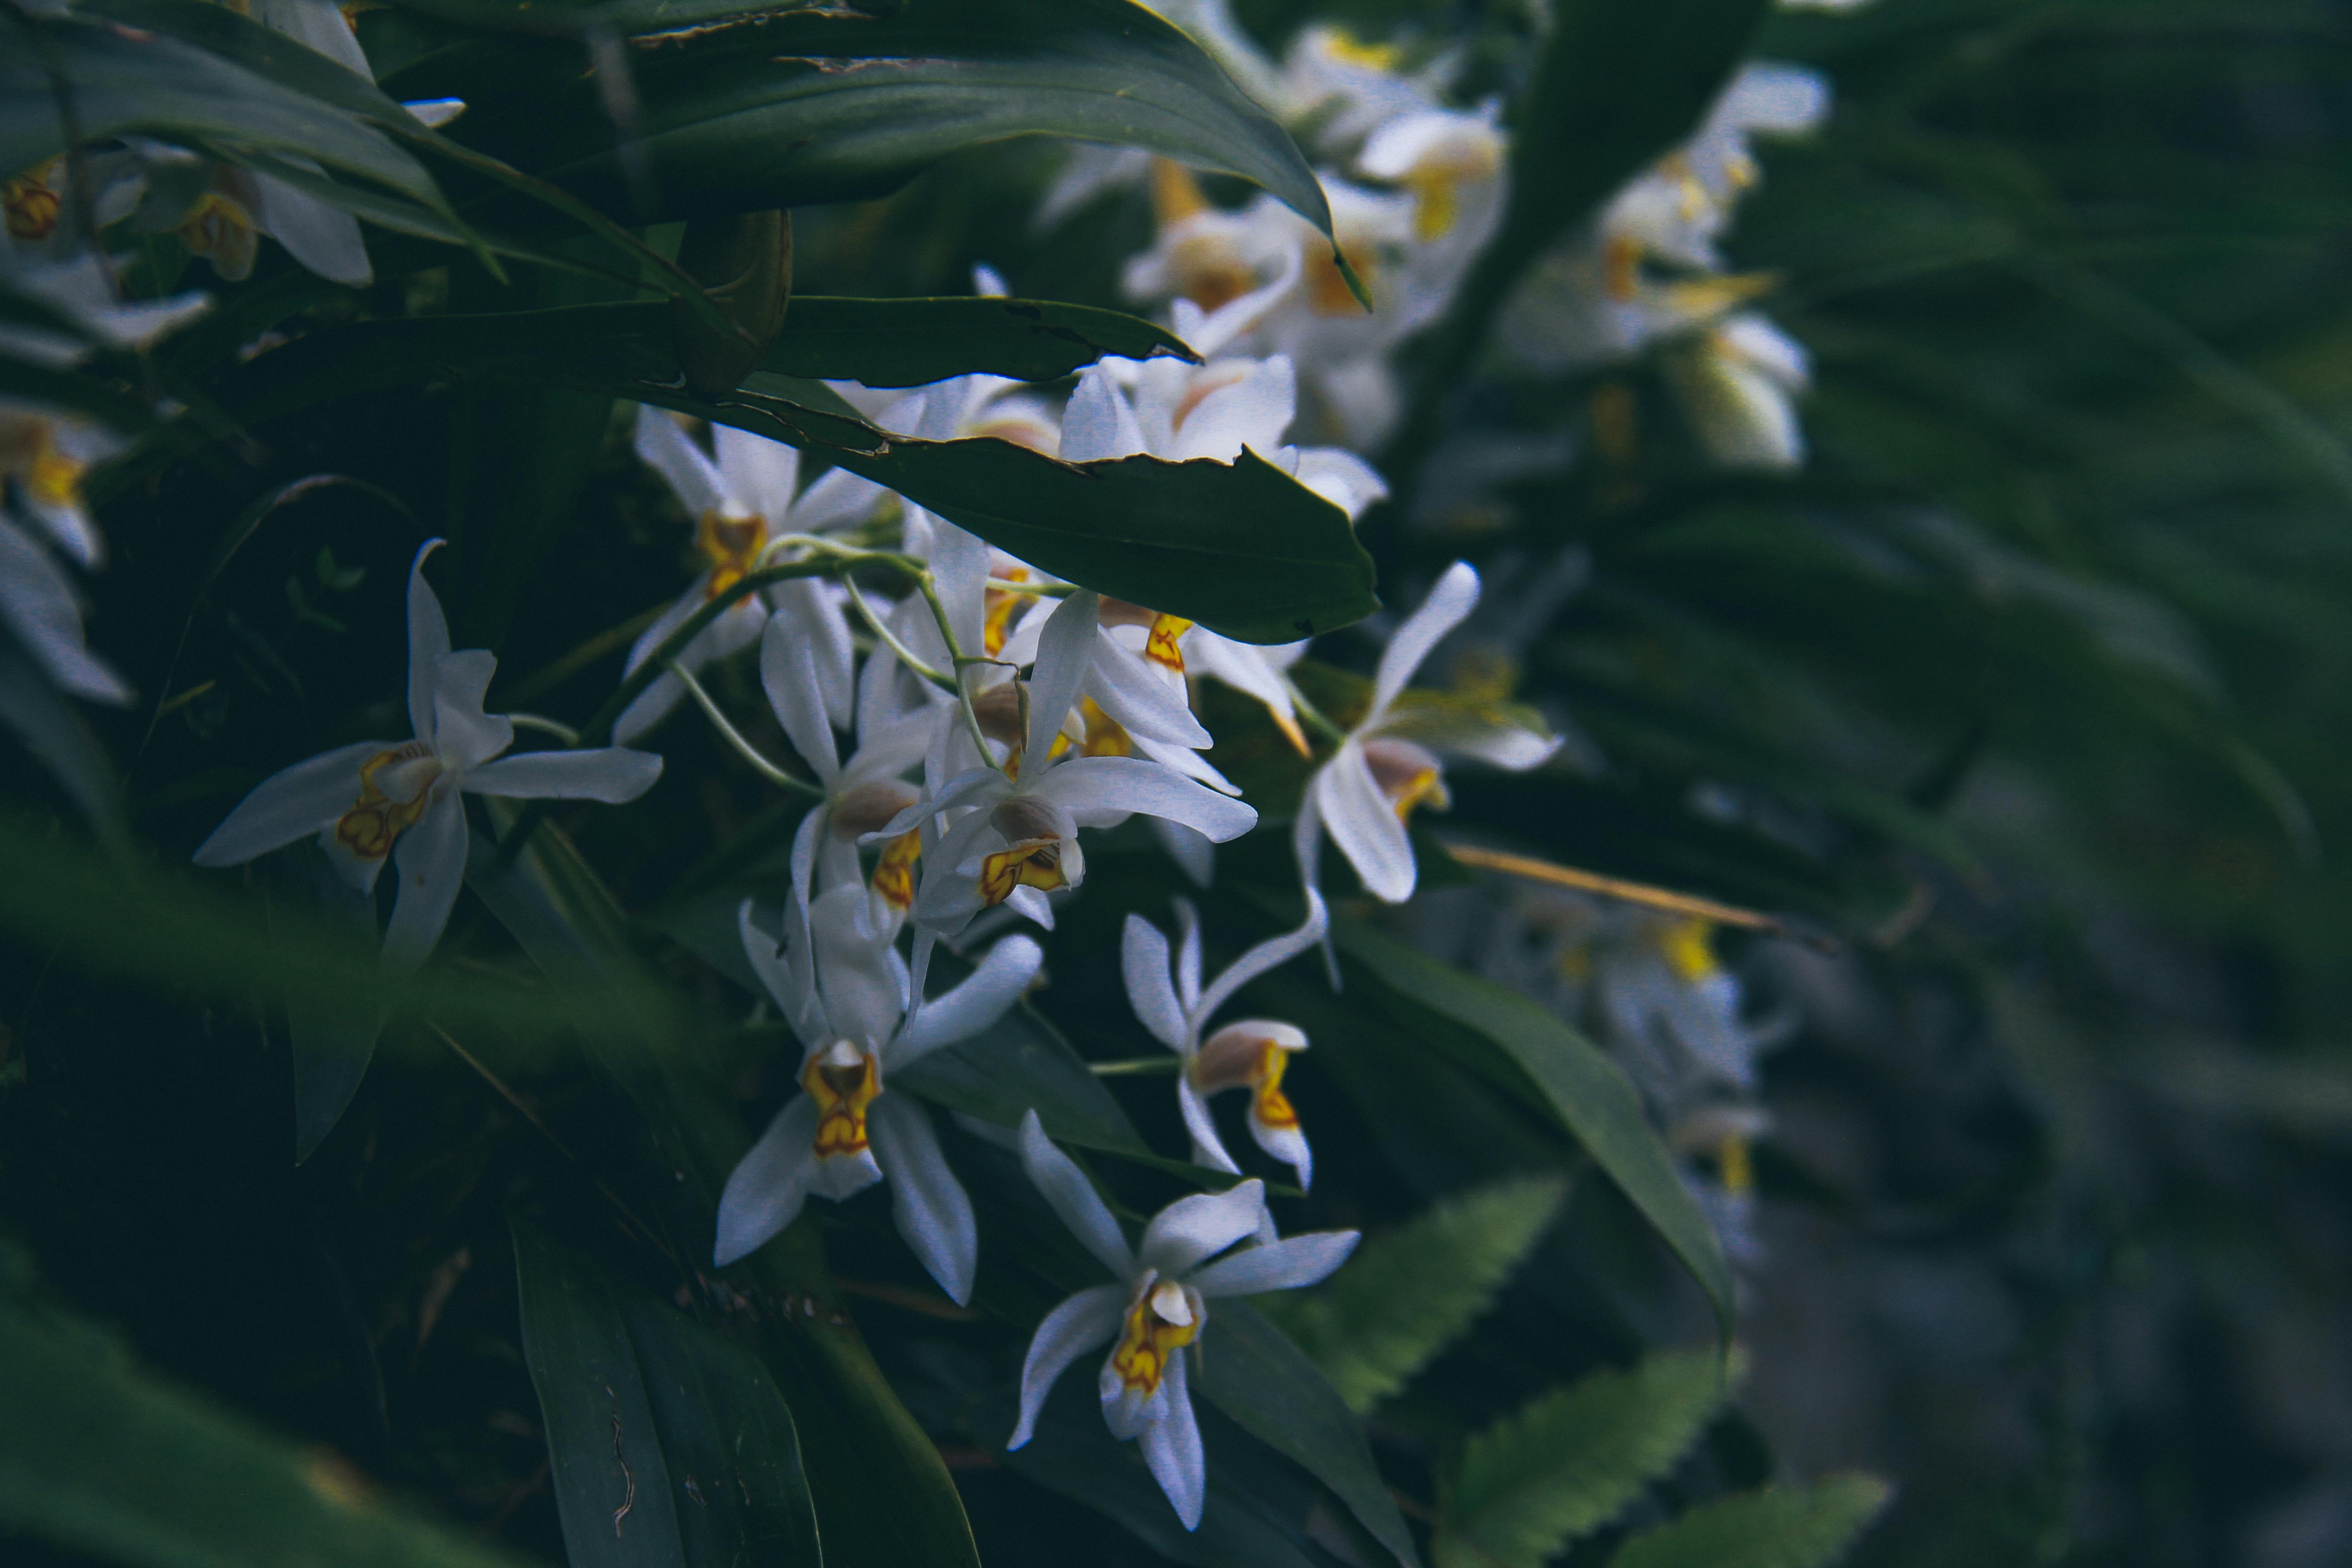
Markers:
{"x": 735, "y": 738}
{"x": 1138, "y": 1065}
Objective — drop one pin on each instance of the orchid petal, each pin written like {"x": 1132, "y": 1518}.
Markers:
{"x": 1208, "y": 1147}
{"x": 787, "y": 675}
{"x": 431, "y": 860}
{"x": 1193, "y": 854}
{"x": 464, "y": 735}
{"x": 1288, "y": 1144}
{"x": 1097, "y": 790}
{"x": 289, "y": 805}
{"x": 428, "y": 639}
{"x": 1365, "y": 826}
{"x": 787, "y": 979}
{"x": 38, "y": 603}
{"x": 1171, "y": 1448}
{"x": 1143, "y": 960}
{"x": 1099, "y": 424}
{"x": 1065, "y": 653}
{"x": 929, "y": 1204}
{"x": 815, "y": 611}
{"x": 1258, "y": 959}
{"x": 325, "y": 240}
{"x": 1448, "y": 604}
{"x": 1193, "y": 1229}
{"x": 1139, "y": 699}
{"x": 766, "y": 1189}
{"x": 1252, "y": 410}
{"x": 613, "y": 774}
{"x": 1072, "y": 1196}
{"x": 761, "y": 474}
{"x": 662, "y": 442}
{"x": 992, "y": 989}
{"x": 1086, "y": 1320}
{"x": 1283, "y": 1264}
{"x": 1188, "y": 953}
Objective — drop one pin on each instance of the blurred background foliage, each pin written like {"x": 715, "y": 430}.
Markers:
{"x": 2030, "y": 691}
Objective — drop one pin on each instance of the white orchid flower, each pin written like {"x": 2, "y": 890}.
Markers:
{"x": 371, "y": 800}
{"x": 1352, "y": 88}
{"x": 1169, "y": 1000}
{"x": 862, "y": 795}
{"x": 739, "y": 500}
{"x": 846, "y": 996}
{"x": 1018, "y": 825}
{"x": 1363, "y": 793}
{"x": 1158, "y": 1306}
{"x": 1738, "y": 381}
{"x": 1217, "y": 410}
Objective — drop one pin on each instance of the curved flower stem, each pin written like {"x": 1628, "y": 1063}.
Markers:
{"x": 734, "y": 737}
{"x": 545, "y": 726}
{"x": 1138, "y": 1065}
{"x": 1317, "y": 719}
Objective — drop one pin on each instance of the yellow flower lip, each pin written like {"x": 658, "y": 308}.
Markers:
{"x": 844, "y": 1081}
{"x": 1164, "y": 1318}
{"x": 731, "y": 545}
{"x": 392, "y": 797}
{"x": 1252, "y": 1054}
{"x": 1408, "y": 775}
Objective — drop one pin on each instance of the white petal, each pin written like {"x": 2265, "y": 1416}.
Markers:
{"x": 1193, "y": 1229}
{"x": 1150, "y": 990}
{"x": 462, "y": 734}
{"x": 1140, "y": 699}
{"x": 325, "y": 240}
{"x": 610, "y": 773}
{"x": 1278, "y": 1265}
{"x": 1266, "y": 955}
{"x": 1341, "y": 478}
{"x": 818, "y": 617}
{"x": 785, "y": 972}
{"x": 834, "y": 498}
{"x": 1072, "y": 1196}
{"x": 1245, "y": 667}
{"x": 289, "y": 805}
{"x": 1099, "y": 422}
{"x": 986, "y": 995}
{"x": 864, "y": 993}
{"x": 1031, "y": 904}
{"x": 933, "y": 1213}
{"x": 959, "y": 562}
{"x": 1253, "y": 410}
{"x": 1065, "y": 653}
{"x": 840, "y": 1176}
{"x": 761, "y": 474}
{"x": 428, "y": 639}
{"x": 430, "y": 859}
{"x": 1086, "y": 1320}
{"x": 1364, "y": 824}
{"x": 664, "y": 444}
{"x": 1208, "y": 1147}
{"x": 38, "y": 603}
{"x": 1288, "y": 1144}
{"x": 321, "y": 24}
{"x": 1172, "y": 1447}
{"x": 788, "y": 675}
{"x": 1448, "y": 604}
{"x": 768, "y": 1186}
{"x": 1188, "y": 950}
{"x": 1097, "y": 790}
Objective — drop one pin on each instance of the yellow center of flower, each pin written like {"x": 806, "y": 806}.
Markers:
{"x": 1032, "y": 863}
{"x": 1620, "y": 267}
{"x": 1161, "y": 1323}
{"x": 731, "y": 545}
{"x": 1164, "y": 644}
{"x": 369, "y": 829}
{"x": 1685, "y": 946}
{"x": 1734, "y": 1165}
{"x": 31, "y": 206}
{"x": 1105, "y": 737}
{"x": 221, "y": 231}
{"x": 996, "y": 621}
{"x": 843, "y": 1081}
{"x": 1425, "y": 787}
{"x": 894, "y": 874}
{"x": 1345, "y": 49}
{"x": 1268, "y": 1104}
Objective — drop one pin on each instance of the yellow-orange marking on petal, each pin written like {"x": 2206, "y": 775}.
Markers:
{"x": 842, "y": 1092}
{"x": 1164, "y": 644}
{"x": 1033, "y": 863}
{"x": 370, "y": 826}
{"x": 732, "y": 545}
{"x": 894, "y": 874}
{"x": 1146, "y": 1340}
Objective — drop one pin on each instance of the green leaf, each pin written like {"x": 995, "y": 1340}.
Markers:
{"x": 911, "y": 342}
{"x": 669, "y": 1446}
{"x": 1616, "y": 87}
{"x": 135, "y": 82}
{"x": 785, "y": 108}
{"x": 1265, "y": 1382}
{"x": 1779, "y": 1527}
{"x": 1532, "y": 1054}
{"x": 1406, "y": 1295}
{"x": 1241, "y": 547}
{"x": 1572, "y": 1461}
{"x": 98, "y": 1457}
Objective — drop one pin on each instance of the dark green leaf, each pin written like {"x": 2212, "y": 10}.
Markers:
{"x": 911, "y": 342}
{"x": 1263, "y": 1382}
{"x": 1779, "y": 1527}
{"x": 1240, "y": 547}
{"x": 1534, "y": 1055}
{"x": 784, "y": 108}
{"x": 1408, "y": 1294}
{"x": 98, "y": 1459}
{"x": 669, "y": 1446}
{"x": 1572, "y": 1461}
